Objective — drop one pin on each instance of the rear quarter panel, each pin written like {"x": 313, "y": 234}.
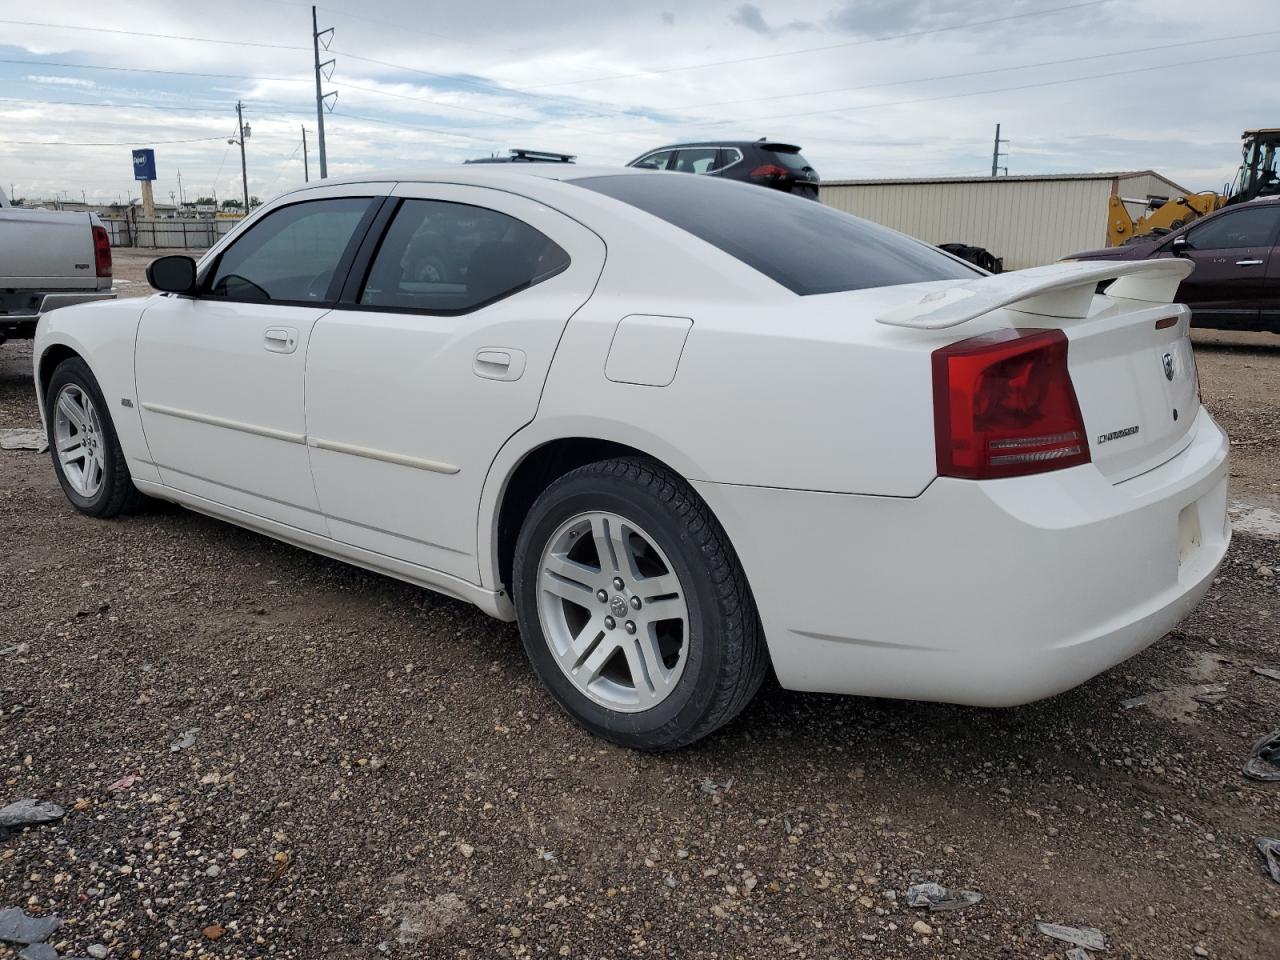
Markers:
{"x": 103, "y": 334}
{"x": 790, "y": 394}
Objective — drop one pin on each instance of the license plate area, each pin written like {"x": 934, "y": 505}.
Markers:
{"x": 1189, "y": 534}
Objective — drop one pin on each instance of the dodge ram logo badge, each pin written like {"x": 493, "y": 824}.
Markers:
{"x": 1168, "y": 366}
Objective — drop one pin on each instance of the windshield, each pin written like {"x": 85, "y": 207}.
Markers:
{"x": 807, "y": 247}
{"x": 1259, "y": 170}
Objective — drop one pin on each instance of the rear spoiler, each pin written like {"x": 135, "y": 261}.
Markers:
{"x": 1063, "y": 290}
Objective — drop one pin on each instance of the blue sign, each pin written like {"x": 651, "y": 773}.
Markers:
{"x": 144, "y": 164}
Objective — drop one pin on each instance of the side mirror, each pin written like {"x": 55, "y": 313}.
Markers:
{"x": 1178, "y": 246}
{"x": 175, "y": 274}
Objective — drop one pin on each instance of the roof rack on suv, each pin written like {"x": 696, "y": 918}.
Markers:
{"x": 521, "y": 155}
{"x": 544, "y": 156}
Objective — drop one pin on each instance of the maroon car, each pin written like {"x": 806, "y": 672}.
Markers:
{"x": 1236, "y": 282}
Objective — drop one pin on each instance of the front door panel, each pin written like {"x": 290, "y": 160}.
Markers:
{"x": 220, "y": 375}
{"x": 222, "y": 408}
{"x": 407, "y": 409}
{"x": 1229, "y": 285}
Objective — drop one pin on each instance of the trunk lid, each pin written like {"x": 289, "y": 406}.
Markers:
{"x": 1129, "y": 351}
{"x": 1135, "y": 379}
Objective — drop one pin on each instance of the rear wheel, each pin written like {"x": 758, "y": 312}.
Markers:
{"x": 634, "y": 611}
{"x": 83, "y": 444}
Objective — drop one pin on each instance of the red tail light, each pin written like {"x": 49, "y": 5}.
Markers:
{"x": 102, "y": 251}
{"x": 768, "y": 170}
{"x": 1004, "y": 406}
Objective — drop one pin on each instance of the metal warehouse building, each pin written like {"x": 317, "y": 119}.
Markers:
{"x": 1026, "y": 220}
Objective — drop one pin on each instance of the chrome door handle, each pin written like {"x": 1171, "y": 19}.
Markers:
{"x": 280, "y": 339}
{"x": 1248, "y": 263}
{"x": 499, "y": 363}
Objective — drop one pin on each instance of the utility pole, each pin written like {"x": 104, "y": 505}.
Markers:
{"x": 321, "y": 96}
{"x": 245, "y": 131}
{"x": 306, "y": 168}
{"x": 182, "y": 200}
{"x": 996, "y": 154}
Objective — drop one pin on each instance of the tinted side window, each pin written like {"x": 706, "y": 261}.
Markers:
{"x": 658, "y": 160}
{"x": 440, "y": 257}
{"x": 805, "y": 246}
{"x": 291, "y": 253}
{"x": 1254, "y": 227}
{"x": 695, "y": 160}
{"x": 727, "y": 157}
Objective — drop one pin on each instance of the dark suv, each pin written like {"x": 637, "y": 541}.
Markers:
{"x": 778, "y": 165}
{"x": 1236, "y": 282}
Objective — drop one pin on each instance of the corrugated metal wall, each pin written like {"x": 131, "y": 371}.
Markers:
{"x": 1027, "y": 222}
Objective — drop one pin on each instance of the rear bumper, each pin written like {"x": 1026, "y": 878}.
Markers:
{"x": 988, "y": 593}
{"x": 21, "y": 324}
{"x": 53, "y": 301}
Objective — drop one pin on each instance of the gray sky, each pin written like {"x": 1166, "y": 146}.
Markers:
{"x": 868, "y": 88}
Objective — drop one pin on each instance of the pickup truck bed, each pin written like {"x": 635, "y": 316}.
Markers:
{"x": 48, "y": 259}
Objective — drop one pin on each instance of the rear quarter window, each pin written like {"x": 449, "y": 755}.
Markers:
{"x": 806, "y": 247}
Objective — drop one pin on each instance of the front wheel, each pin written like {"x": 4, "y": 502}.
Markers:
{"x": 83, "y": 444}
{"x": 633, "y": 608}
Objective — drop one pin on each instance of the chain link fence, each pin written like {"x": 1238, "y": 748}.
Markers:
{"x": 167, "y": 234}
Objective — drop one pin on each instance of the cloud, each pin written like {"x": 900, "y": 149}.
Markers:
{"x": 872, "y": 18}
{"x": 750, "y": 16}
{"x": 609, "y": 81}
{"x": 59, "y": 81}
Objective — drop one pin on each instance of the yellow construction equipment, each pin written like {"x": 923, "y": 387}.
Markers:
{"x": 1259, "y": 176}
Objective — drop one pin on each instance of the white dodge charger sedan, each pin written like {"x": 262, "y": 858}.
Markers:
{"x": 682, "y": 429}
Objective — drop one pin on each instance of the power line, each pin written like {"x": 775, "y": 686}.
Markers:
{"x": 833, "y": 46}
{"x": 488, "y": 86}
{"x": 126, "y": 143}
{"x": 404, "y": 27}
{"x": 171, "y": 73}
{"x": 412, "y": 126}
{"x": 154, "y": 36}
{"x": 130, "y": 106}
{"x": 491, "y": 113}
{"x": 977, "y": 73}
{"x": 979, "y": 93}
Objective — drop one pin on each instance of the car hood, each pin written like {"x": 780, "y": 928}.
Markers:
{"x": 1138, "y": 250}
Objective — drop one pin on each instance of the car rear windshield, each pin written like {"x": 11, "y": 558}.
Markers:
{"x": 807, "y": 247}
{"x": 791, "y": 158}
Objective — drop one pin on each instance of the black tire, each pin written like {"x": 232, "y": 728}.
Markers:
{"x": 726, "y": 654}
{"x": 117, "y": 494}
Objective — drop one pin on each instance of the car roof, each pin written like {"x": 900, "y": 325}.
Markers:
{"x": 765, "y": 144}
{"x": 483, "y": 173}
{"x": 516, "y": 177}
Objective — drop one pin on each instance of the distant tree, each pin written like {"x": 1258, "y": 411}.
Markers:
{"x": 231, "y": 204}
{"x": 205, "y": 201}
{"x": 254, "y": 202}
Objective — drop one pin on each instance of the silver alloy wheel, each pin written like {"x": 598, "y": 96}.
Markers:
{"x": 613, "y": 611}
{"x": 78, "y": 440}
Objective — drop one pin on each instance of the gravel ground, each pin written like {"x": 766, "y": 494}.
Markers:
{"x": 331, "y": 763}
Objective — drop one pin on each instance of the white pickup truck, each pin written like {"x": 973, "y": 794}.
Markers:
{"x": 48, "y": 259}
